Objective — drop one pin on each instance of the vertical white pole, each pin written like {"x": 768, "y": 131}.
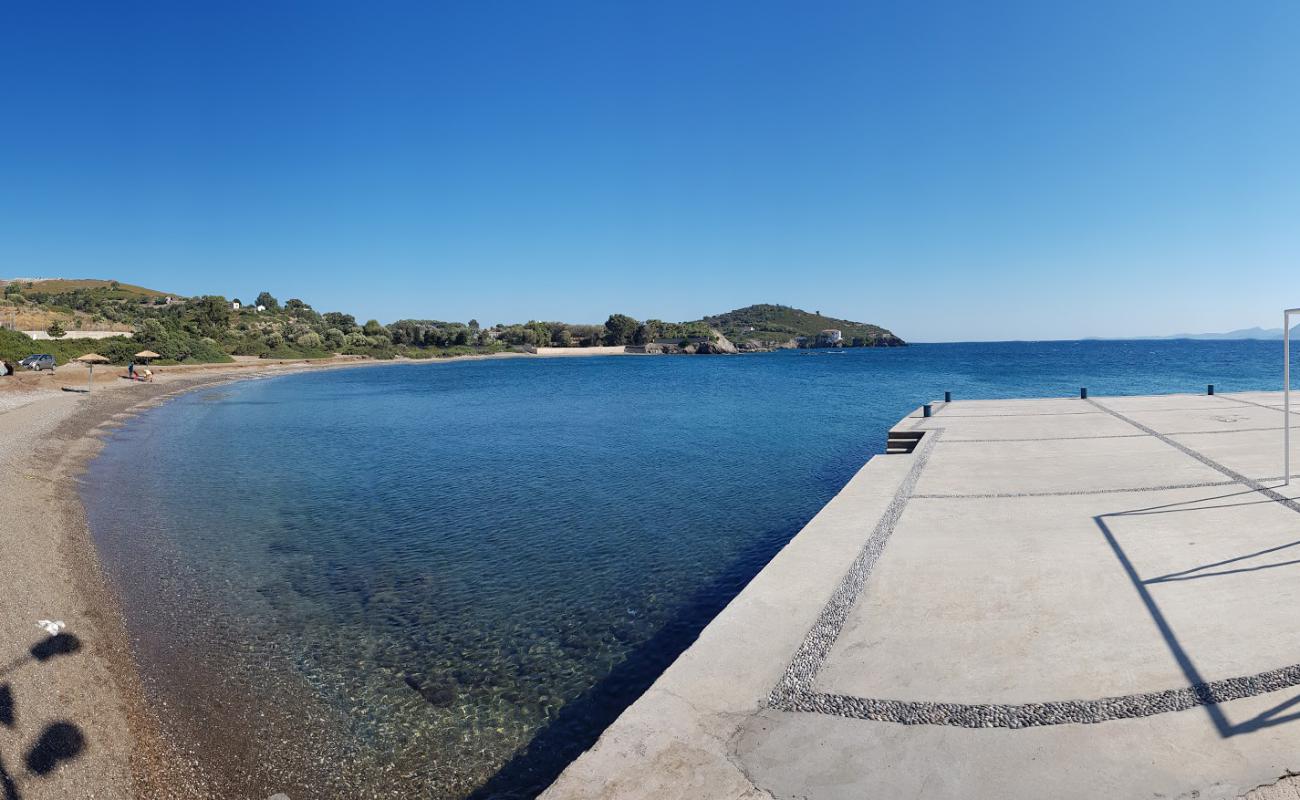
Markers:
{"x": 1286, "y": 396}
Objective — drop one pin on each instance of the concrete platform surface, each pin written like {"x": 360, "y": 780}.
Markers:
{"x": 1047, "y": 598}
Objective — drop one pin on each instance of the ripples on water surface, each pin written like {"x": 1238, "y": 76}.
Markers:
{"x": 439, "y": 579}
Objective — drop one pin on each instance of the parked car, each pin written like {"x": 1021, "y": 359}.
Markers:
{"x": 39, "y": 362}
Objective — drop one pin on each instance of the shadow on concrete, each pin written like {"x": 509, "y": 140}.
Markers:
{"x": 1197, "y": 682}
{"x": 59, "y": 742}
{"x": 581, "y": 721}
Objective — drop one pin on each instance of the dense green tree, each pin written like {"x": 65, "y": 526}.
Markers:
{"x": 56, "y": 330}
{"x": 344, "y": 322}
{"x": 539, "y": 333}
{"x": 265, "y": 299}
{"x": 211, "y": 315}
{"x": 373, "y": 328}
{"x": 151, "y": 330}
{"x": 619, "y": 329}
{"x": 410, "y": 332}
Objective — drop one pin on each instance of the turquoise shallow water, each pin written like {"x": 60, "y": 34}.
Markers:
{"x": 442, "y": 580}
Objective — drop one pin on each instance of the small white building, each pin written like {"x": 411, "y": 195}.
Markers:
{"x": 234, "y": 305}
{"x": 830, "y": 336}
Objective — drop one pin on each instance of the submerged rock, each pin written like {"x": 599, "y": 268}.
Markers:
{"x": 437, "y": 694}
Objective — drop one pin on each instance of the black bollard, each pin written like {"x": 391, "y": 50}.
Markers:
{"x": 925, "y": 410}
{"x": 1209, "y": 389}
{"x": 947, "y": 397}
{"x": 1083, "y": 392}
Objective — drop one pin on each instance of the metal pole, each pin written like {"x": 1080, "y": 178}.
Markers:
{"x": 1286, "y": 394}
{"x": 90, "y": 384}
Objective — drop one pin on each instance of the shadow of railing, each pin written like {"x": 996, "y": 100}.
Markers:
{"x": 1202, "y": 689}
{"x": 58, "y": 742}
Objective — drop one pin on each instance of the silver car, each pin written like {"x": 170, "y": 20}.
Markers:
{"x": 40, "y": 362}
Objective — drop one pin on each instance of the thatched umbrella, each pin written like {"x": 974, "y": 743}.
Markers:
{"x": 145, "y": 356}
{"x": 90, "y": 360}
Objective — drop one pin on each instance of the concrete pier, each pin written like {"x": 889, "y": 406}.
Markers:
{"x": 1067, "y": 598}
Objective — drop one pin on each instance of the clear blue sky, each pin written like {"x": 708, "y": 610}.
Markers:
{"x": 949, "y": 170}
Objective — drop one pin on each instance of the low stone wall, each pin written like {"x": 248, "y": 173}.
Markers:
{"x": 581, "y": 351}
{"x": 43, "y": 336}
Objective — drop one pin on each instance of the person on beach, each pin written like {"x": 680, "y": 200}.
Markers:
{"x": 130, "y": 370}
{"x": 148, "y": 375}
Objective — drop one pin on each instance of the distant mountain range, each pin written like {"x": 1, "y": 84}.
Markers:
{"x": 1242, "y": 333}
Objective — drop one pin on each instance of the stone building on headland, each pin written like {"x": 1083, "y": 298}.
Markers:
{"x": 831, "y": 337}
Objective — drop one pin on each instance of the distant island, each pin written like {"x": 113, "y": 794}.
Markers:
{"x": 1242, "y": 333}
{"x": 771, "y": 326}
{"x": 74, "y": 317}
{"x": 1265, "y": 334}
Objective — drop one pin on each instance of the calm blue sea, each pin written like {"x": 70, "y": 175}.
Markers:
{"x": 443, "y": 580}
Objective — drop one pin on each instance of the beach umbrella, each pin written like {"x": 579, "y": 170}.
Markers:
{"x": 90, "y": 360}
{"x": 146, "y": 355}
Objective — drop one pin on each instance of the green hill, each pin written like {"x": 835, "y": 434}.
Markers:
{"x": 102, "y": 290}
{"x": 774, "y": 323}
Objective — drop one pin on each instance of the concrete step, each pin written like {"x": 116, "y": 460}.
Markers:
{"x": 900, "y": 442}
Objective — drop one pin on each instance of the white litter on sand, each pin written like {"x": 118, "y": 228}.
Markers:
{"x": 52, "y": 627}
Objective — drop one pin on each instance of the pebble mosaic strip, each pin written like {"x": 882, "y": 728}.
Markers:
{"x": 1206, "y": 460}
{"x": 794, "y": 691}
{"x": 1279, "y": 409}
{"x": 797, "y": 681}
{"x": 1121, "y": 490}
{"x": 1030, "y": 715}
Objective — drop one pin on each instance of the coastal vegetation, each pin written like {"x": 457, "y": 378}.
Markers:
{"x": 212, "y": 328}
{"x": 774, "y": 324}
